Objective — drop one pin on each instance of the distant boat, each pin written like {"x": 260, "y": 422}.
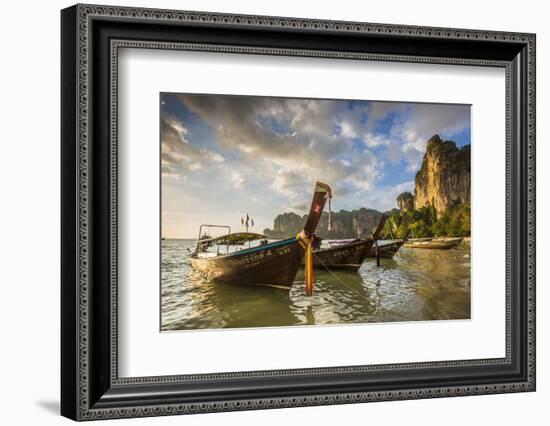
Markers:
{"x": 448, "y": 239}
{"x": 346, "y": 254}
{"x": 272, "y": 264}
{"x": 388, "y": 249}
{"x": 435, "y": 243}
{"x": 418, "y": 240}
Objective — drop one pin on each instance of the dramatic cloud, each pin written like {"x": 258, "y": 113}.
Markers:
{"x": 302, "y": 208}
{"x": 420, "y": 122}
{"x": 178, "y": 154}
{"x": 295, "y": 140}
{"x": 237, "y": 179}
{"x": 372, "y": 141}
{"x": 177, "y": 128}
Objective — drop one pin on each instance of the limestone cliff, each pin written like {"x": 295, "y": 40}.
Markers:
{"x": 405, "y": 201}
{"x": 443, "y": 181}
{"x": 345, "y": 224}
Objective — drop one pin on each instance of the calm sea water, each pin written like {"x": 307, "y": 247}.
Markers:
{"x": 415, "y": 285}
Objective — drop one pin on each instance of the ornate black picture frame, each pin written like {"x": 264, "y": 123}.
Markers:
{"x": 91, "y": 36}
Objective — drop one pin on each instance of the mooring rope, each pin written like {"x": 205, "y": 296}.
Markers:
{"x": 353, "y": 291}
{"x": 339, "y": 279}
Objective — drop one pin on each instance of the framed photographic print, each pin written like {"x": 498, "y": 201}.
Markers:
{"x": 263, "y": 212}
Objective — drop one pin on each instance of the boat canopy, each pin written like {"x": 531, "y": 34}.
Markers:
{"x": 236, "y": 238}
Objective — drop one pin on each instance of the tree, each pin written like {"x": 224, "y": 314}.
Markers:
{"x": 454, "y": 222}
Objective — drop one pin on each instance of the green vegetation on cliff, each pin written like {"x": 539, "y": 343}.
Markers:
{"x": 455, "y": 222}
{"x": 423, "y": 222}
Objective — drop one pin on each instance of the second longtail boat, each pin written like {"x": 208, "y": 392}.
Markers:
{"x": 388, "y": 249}
{"x": 348, "y": 255}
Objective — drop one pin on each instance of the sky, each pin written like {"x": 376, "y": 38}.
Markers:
{"x": 223, "y": 156}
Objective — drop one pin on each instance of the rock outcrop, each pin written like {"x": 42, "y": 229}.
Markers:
{"x": 405, "y": 201}
{"x": 443, "y": 181}
{"x": 345, "y": 224}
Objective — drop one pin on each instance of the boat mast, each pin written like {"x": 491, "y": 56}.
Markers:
{"x": 322, "y": 193}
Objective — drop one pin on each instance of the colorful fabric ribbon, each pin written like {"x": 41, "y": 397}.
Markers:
{"x": 308, "y": 270}
{"x": 307, "y": 244}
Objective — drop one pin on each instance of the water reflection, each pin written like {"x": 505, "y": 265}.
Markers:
{"x": 415, "y": 285}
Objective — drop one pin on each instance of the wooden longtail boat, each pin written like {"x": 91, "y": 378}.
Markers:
{"x": 349, "y": 255}
{"x": 435, "y": 243}
{"x": 272, "y": 264}
{"x": 449, "y": 239}
{"x": 419, "y": 240}
{"x": 388, "y": 249}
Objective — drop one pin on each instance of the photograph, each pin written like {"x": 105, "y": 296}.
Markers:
{"x": 279, "y": 211}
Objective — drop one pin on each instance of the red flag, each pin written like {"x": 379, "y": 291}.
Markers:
{"x": 251, "y": 222}
{"x": 247, "y": 218}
